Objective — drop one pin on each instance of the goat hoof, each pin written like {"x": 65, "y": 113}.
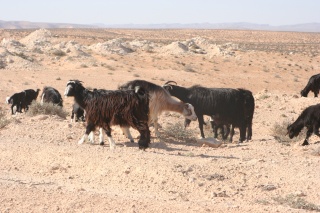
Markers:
{"x": 132, "y": 141}
{"x": 306, "y": 143}
{"x": 101, "y": 143}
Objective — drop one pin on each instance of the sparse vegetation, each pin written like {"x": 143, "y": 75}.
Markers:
{"x": 177, "y": 130}
{"x": 3, "y": 120}
{"x": 58, "y": 53}
{"x": 264, "y": 96}
{"x": 47, "y": 109}
{"x": 279, "y": 131}
{"x": 22, "y": 55}
{"x": 296, "y": 202}
{"x": 188, "y": 68}
{"x": 83, "y": 66}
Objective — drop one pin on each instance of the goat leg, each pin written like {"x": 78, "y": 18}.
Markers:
{"x": 306, "y": 140}
{"x": 127, "y": 133}
{"x": 90, "y": 128}
{"x": 144, "y": 138}
{"x": 110, "y": 139}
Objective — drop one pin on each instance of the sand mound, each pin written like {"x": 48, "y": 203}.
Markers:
{"x": 190, "y": 46}
{"x": 114, "y": 46}
{"x": 175, "y": 48}
{"x": 143, "y": 45}
{"x": 72, "y": 49}
{"x": 15, "y": 55}
{"x": 37, "y": 38}
{"x": 226, "y": 50}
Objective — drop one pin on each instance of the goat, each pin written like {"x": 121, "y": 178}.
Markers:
{"x": 77, "y": 113}
{"x": 224, "y": 128}
{"x": 312, "y": 85}
{"x": 22, "y": 100}
{"x": 125, "y": 130}
{"x": 51, "y": 95}
{"x": 224, "y": 105}
{"x": 108, "y": 108}
{"x": 160, "y": 100}
{"x": 309, "y": 118}
{"x": 31, "y": 95}
{"x": 17, "y": 100}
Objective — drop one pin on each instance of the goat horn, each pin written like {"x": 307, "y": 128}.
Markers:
{"x": 168, "y": 82}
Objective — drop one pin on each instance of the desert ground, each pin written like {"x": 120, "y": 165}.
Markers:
{"x": 43, "y": 169}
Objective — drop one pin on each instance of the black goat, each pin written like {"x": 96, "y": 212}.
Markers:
{"x": 17, "y": 100}
{"x": 31, "y": 95}
{"x": 22, "y": 100}
{"x": 225, "y": 105}
{"x": 51, "y": 95}
{"x": 161, "y": 100}
{"x": 310, "y": 118}
{"x": 107, "y": 108}
{"x": 224, "y": 128}
{"x": 312, "y": 85}
{"x": 77, "y": 113}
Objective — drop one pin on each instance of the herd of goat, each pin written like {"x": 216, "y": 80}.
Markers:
{"x": 139, "y": 103}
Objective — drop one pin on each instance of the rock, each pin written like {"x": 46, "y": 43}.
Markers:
{"x": 299, "y": 194}
{"x": 269, "y": 187}
{"x": 211, "y": 142}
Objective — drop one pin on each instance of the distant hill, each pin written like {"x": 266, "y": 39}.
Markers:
{"x": 36, "y": 25}
{"x": 307, "y": 27}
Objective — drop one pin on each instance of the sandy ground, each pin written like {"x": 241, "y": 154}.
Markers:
{"x": 43, "y": 169}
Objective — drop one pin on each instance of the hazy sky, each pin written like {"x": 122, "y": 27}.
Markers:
{"x": 273, "y": 12}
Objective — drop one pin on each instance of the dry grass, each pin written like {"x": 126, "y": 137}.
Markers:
{"x": 58, "y": 53}
{"x": 47, "y": 109}
{"x": 3, "y": 120}
{"x": 297, "y": 202}
{"x": 279, "y": 131}
{"x": 177, "y": 130}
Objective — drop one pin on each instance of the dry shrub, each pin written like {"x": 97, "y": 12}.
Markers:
{"x": 177, "y": 130}
{"x": 47, "y": 109}
{"x": 279, "y": 131}
{"x": 316, "y": 152}
{"x": 297, "y": 202}
{"x": 3, "y": 119}
{"x": 59, "y": 53}
{"x": 188, "y": 68}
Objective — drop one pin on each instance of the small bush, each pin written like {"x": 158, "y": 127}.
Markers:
{"x": 83, "y": 66}
{"x": 59, "y": 53}
{"x": 189, "y": 69}
{"x": 279, "y": 131}
{"x": 22, "y": 55}
{"x": 264, "y": 96}
{"x": 297, "y": 203}
{"x": 47, "y": 109}
{"x": 109, "y": 67}
{"x": 2, "y": 65}
{"x": 177, "y": 130}
{"x": 3, "y": 120}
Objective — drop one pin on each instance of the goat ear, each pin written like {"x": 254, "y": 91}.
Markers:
{"x": 140, "y": 91}
{"x": 186, "y": 105}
